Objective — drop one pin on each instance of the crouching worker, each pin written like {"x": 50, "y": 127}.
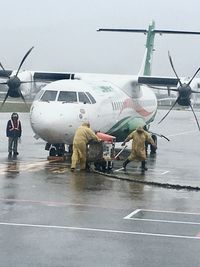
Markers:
{"x": 138, "y": 152}
{"x": 13, "y": 132}
{"x": 82, "y": 136}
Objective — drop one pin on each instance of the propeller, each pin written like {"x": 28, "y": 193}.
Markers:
{"x": 13, "y": 81}
{"x": 184, "y": 92}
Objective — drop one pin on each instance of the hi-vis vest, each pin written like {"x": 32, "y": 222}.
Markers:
{"x": 13, "y": 127}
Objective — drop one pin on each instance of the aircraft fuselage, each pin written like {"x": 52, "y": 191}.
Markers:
{"x": 61, "y": 107}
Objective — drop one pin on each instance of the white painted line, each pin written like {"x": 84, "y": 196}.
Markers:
{"x": 164, "y": 221}
{"x": 96, "y": 230}
{"x": 167, "y": 211}
{"x": 131, "y": 214}
{"x": 165, "y": 172}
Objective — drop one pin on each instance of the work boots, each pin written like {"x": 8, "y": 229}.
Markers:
{"x": 144, "y": 168}
{"x": 125, "y": 163}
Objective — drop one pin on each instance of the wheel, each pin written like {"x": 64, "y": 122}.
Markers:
{"x": 60, "y": 152}
{"x": 153, "y": 149}
{"x": 60, "y": 149}
{"x": 52, "y": 152}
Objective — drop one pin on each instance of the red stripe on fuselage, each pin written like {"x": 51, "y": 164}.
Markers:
{"x": 130, "y": 103}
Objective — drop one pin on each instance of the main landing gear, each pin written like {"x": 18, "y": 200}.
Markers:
{"x": 152, "y": 148}
{"x": 55, "y": 150}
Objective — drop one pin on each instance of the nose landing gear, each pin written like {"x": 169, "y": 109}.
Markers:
{"x": 55, "y": 150}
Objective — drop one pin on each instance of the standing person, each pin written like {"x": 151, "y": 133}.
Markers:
{"x": 82, "y": 136}
{"x": 138, "y": 152}
{"x": 13, "y": 132}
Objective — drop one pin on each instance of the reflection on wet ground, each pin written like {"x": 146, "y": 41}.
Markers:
{"x": 52, "y": 217}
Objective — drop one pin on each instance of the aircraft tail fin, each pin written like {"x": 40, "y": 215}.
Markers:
{"x": 148, "y": 56}
{"x": 147, "y": 60}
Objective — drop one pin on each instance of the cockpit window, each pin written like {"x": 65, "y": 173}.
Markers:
{"x": 91, "y": 98}
{"x": 83, "y": 98}
{"x": 67, "y": 97}
{"x": 49, "y": 95}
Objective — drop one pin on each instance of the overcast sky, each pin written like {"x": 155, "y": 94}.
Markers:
{"x": 64, "y": 35}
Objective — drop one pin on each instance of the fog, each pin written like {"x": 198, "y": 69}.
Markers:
{"x": 64, "y": 35}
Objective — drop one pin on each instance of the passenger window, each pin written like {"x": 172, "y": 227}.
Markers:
{"x": 91, "y": 98}
{"x": 83, "y": 98}
{"x": 49, "y": 96}
{"x": 67, "y": 97}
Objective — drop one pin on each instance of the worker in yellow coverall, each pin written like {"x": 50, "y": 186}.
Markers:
{"x": 138, "y": 152}
{"x": 82, "y": 136}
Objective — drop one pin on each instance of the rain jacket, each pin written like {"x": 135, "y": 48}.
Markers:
{"x": 82, "y": 136}
{"x": 139, "y": 137}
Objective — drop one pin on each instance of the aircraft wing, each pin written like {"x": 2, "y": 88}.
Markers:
{"x": 41, "y": 76}
{"x": 158, "y": 81}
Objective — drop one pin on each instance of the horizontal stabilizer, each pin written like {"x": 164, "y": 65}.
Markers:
{"x": 45, "y": 76}
{"x": 158, "y": 81}
{"x": 175, "y": 32}
{"x": 123, "y": 30}
{"x": 146, "y": 31}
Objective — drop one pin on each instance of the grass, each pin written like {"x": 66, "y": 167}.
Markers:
{"x": 15, "y": 107}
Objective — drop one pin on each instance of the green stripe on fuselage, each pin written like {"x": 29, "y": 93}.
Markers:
{"x": 124, "y": 127}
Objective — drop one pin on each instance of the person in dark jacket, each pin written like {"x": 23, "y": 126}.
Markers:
{"x": 13, "y": 132}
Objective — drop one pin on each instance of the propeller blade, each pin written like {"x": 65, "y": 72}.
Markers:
{"x": 3, "y": 82}
{"x": 4, "y": 70}
{"x": 171, "y": 62}
{"x": 169, "y": 110}
{"x": 195, "y": 116}
{"x": 24, "y": 59}
{"x": 193, "y": 76}
{"x": 4, "y": 100}
{"x": 20, "y": 93}
{"x": 196, "y": 92}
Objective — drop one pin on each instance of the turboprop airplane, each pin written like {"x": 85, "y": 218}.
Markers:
{"x": 114, "y": 104}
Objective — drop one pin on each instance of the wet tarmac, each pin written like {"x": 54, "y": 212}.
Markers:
{"x": 52, "y": 217}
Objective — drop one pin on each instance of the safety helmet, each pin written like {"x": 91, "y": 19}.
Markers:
{"x": 14, "y": 115}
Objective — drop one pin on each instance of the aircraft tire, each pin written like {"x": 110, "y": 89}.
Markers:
{"x": 152, "y": 148}
{"x": 52, "y": 152}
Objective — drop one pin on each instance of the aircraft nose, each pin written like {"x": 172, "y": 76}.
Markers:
{"x": 51, "y": 126}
